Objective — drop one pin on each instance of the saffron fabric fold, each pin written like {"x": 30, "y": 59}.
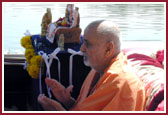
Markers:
{"x": 118, "y": 89}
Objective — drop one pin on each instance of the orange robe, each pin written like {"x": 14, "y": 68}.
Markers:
{"x": 119, "y": 89}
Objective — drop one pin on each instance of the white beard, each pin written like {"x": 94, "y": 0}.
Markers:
{"x": 85, "y": 60}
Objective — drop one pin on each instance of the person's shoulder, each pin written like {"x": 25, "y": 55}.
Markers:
{"x": 126, "y": 77}
{"x": 112, "y": 78}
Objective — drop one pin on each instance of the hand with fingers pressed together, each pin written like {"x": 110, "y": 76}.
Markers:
{"x": 111, "y": 85}
{"x": 60, "y": 92}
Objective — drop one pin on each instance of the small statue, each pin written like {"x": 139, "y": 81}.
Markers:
{"x": 46, "y": 20}
{"x": 69, "y": 12}
{"x": 75, "y": 21}
{"x": 60, "y": 42}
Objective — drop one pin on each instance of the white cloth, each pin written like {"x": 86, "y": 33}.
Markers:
{"x": 73, "y": 52}
{"x": 27, "y": 33}
{"x": 48, "y": 61}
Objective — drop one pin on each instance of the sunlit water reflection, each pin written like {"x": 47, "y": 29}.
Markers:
{"x": 136, "y": 21}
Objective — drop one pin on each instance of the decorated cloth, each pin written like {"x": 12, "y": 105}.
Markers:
{"x": 150, "y": 69}
{"x": 51, "y": 31}
{"x": 42, "y": 44}
{"x": 157, "y": 102}
{"x": 119, "y": 89}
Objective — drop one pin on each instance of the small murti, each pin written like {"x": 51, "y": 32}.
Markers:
{"x": 60, "y": 42}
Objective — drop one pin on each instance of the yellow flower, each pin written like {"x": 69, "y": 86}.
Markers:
{"x": 29, "y": 53}
{"x": 32, "y": 59}
{"x": 26, "y": 41}
{"x": 35, "y": 60}
{"x": 63, "y": 23}
{"x": 29, "y": 47}
{"x": 33, "y": 70}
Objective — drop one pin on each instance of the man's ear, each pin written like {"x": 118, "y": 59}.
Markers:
{"x": 109, "y": 49}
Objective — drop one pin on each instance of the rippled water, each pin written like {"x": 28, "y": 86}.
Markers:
{"x": 145, "y": 21}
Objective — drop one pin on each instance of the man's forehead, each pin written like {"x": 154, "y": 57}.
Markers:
{"x": 89, "y": 34}
{"x": 87, "y": 37}
{"x": 90, "y": 39}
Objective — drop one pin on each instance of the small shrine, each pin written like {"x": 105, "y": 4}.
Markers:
{"x": 55, "y": 52}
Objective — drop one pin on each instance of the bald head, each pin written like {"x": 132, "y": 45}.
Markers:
{"x": 106, "y": 30}
{"x": 101, "y": 44}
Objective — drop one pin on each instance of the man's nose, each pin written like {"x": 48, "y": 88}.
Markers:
{"x": 82, "y": 48}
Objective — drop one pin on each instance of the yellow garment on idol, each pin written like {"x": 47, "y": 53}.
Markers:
{"x": 119, "y": 89}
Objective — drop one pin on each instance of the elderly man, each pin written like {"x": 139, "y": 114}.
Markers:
{"x": 110, "y": 86}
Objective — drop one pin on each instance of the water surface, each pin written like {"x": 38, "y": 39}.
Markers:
{"x": 137, "y": 21}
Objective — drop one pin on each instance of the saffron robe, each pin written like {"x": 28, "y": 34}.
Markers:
{"x": 118, "y": 89}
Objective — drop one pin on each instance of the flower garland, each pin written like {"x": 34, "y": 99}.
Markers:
{"x": 32, "y": 59}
